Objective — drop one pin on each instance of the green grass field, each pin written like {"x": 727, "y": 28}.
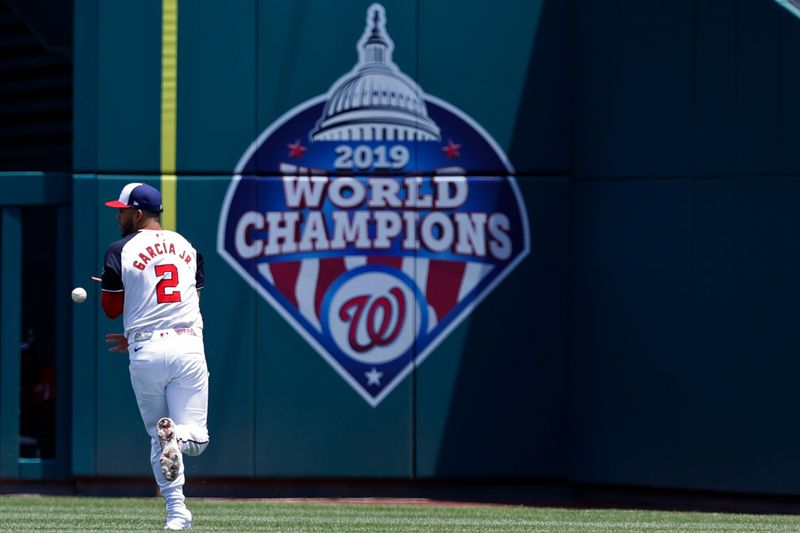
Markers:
{"x": 37, "y": 513}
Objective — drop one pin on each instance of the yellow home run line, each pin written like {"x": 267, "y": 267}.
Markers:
{"x": 169, "y": 111}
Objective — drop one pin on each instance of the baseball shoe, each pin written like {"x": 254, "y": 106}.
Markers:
{"x": 171, "y": 457}
{"x": 179, "y": 520}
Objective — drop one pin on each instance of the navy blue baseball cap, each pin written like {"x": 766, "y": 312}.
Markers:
{"x": 139, "y": 196}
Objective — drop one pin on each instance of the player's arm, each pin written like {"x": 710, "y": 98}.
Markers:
{"x": 113, "y": 303}
{"x": 112, "y": 297}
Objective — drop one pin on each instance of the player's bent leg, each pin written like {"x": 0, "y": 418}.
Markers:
{"x": 187, "y": 405}
{"x": 149, "y": 381}
{"x": 187, "y": 400}
{"x": 193, "y": 439}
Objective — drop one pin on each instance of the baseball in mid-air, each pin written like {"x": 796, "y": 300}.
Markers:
{"x": 78, "y": 295}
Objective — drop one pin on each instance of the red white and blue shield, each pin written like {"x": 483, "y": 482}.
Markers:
{"x": 374, "y": 218}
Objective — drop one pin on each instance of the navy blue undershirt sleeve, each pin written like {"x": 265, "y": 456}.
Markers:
{"x": 111, "y": 280}
{"x": 200, "y": 277}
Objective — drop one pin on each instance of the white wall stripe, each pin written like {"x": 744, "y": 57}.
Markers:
{"x": 473, "y": 274}
{"x": 306, "y": 290}
{"x": 409, "y": 266}
{"x": 432, "y": 320}
{"x": 421, "y": 274}
{"x": 354, "y": 261}
{"x": 263, "y": 269}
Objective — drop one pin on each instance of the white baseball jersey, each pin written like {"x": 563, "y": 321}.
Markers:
{"x": 160, "y": 273}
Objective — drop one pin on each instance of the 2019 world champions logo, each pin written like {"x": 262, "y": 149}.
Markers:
{"x": 374, "y": 218}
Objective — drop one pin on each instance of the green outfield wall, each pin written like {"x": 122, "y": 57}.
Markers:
{"x": 646, "y": 338}
{"x": 274, "y": 400}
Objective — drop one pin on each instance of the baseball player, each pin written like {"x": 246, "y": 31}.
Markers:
{"x": 152, "y": 278}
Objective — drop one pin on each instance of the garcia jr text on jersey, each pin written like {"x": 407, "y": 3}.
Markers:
{"x": 148, "y": 253}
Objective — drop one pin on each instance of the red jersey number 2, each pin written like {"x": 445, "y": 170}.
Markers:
{"x": 165, "y": 290}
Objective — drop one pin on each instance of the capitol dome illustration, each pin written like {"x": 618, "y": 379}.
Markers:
{"x": 376, "y": 101}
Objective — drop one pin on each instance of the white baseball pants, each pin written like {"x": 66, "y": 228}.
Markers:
{"x": 170, "y": 379}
